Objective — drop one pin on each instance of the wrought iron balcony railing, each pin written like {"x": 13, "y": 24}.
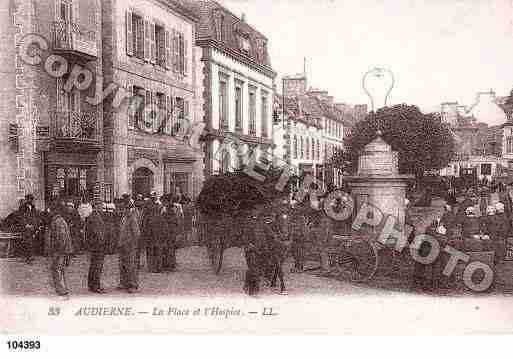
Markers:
{"x": 76, "y": 125}
{"x": 74, "y": 37}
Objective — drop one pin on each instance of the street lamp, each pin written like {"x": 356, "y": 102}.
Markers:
{"x": 377, "y": 84}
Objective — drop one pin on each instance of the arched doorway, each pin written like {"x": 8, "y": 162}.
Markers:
{"x": 142, "y": 181}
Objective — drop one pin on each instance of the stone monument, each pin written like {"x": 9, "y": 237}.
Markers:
{"x": 378, "y": 181}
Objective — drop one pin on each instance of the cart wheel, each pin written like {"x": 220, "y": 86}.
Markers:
{"x": 215, "y": 253}
{"x": 361, "y": 258}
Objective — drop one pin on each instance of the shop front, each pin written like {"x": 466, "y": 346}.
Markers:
{"x": 70, "y": 176}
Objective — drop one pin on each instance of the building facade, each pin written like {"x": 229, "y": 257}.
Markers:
{"x": 149, "y": 55}
{"x": 309, "y": 129}
{"x": 238, "y": 87}
{"x": 297, "y": 131}
{"x": 482, "y": 136}
{"x": 53, "y": 134}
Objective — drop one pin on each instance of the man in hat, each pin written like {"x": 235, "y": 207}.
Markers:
{"x": 170, "y": 216}
{"x": 29, "y": 225}
{"x": 153, "y": 233}
{"x": 95, "y": 244}
{"x": 58, "y": 247}
{"x": 129, "y": 237}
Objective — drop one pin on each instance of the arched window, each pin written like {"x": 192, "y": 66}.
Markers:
{"x": 313, "y": 149}
{"x": 295, "y": 147}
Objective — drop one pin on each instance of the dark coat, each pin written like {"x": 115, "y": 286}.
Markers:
{"x": 57, "y": 237}
{"x": 95, "y": 232}
{"x": 470, "y": 226}
{"x": 129, "y": 231}
{"x": 155, "y": 227}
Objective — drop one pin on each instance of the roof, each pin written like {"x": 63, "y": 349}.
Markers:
{"x": 218, "y": 24}
{"x": 184, "y": 10}
{"x": 301, "y": 108}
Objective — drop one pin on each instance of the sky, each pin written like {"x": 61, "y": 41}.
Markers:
{"x": 437, "y": 50}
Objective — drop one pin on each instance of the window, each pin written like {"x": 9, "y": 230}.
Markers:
{"x": 486, "y": 169}
{"x": 238, "y": 105}
{"x": 318, "y": 150}
{"x": 509, "y": 144}
{"x": 160, "y": 45}
{"x": 180, "y": 53}
{"x": 252, "y": 111}
{"x": 295, "y": 147}
{"x": 302, "y": 145}
{"x": 135, "y": 106}
{"x": 313, "y": 149}
{"x": 180, "y": 180}
{"x": 223, "y": 104}
{"x": 307, "y": 148}
{"x": 160, "y": 101}
{"x": 245, "y": 45}
{"x": 135, "y": 35}
{"x": 265, "y": 116}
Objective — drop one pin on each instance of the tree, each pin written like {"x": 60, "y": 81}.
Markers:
{"x": 422, "y": 140}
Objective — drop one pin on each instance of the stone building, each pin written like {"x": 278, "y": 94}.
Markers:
{"x": 481, "y": 133}
{"x": 150, "y": 56}
{"x": 238, "y": 87}
{"x": 309, "y": 129}
{"x": 51, "y": 134}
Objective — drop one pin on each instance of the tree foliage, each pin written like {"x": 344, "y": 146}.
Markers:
{"x": 422, "y": 140}
{"x": 230, "y": 193}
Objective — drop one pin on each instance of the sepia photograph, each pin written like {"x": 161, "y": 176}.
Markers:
{"x": 259, "y": 167}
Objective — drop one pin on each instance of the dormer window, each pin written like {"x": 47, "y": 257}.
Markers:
{"x": 244, "y": 44}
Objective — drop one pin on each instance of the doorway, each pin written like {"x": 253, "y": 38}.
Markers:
{"x": 142, "y": 181}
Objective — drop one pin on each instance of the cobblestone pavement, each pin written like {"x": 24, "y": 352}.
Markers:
{"x": 193, "y": 277}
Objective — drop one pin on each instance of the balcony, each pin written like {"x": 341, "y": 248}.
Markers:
{"x": 76, "y": 132}
{"x": 74, "y": 39}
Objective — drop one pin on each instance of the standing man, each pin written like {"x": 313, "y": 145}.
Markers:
{"x": 95, "y": 244}
{"x": 323, "y": 233}
{"x": 29, "y": 226}
{"x": 154, "y": 234}
{"x": 129, "y": 237}
{"x": 298, "y": 232}
{"x": 58, "y": 247}
{"x": 169, "y": 247}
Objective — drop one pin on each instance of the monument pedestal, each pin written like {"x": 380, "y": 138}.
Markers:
{"x": 378, "y": 181}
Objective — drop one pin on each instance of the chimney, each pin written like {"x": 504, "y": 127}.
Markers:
{"x": 294, "y": 85}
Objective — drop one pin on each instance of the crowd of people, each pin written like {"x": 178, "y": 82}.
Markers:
{"x": 128, "y": 226}
{"x": 480, "y": 222}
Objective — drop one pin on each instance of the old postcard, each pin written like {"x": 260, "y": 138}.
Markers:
{"x": 273, "y": 167}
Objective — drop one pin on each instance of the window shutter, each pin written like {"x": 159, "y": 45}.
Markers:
{"x": 131, "y": 107}
{"x": 147, "y": 40}
{"x": 182, "y": 53}
{"x": 186, "y": 110}
{"x": 176, "y": 51}
{"x": 161, "y": 48}
{"x": 186, "y": 58}
{"x": 153, "y": 43}
{"x": 167, "y": 128}
{"x": 153, "y": 108}
{"x": 129, "y": 34}
{"x": 75, "y": 13}
{"x": 168, "y": 62}
{"x": 146, "y": 112}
